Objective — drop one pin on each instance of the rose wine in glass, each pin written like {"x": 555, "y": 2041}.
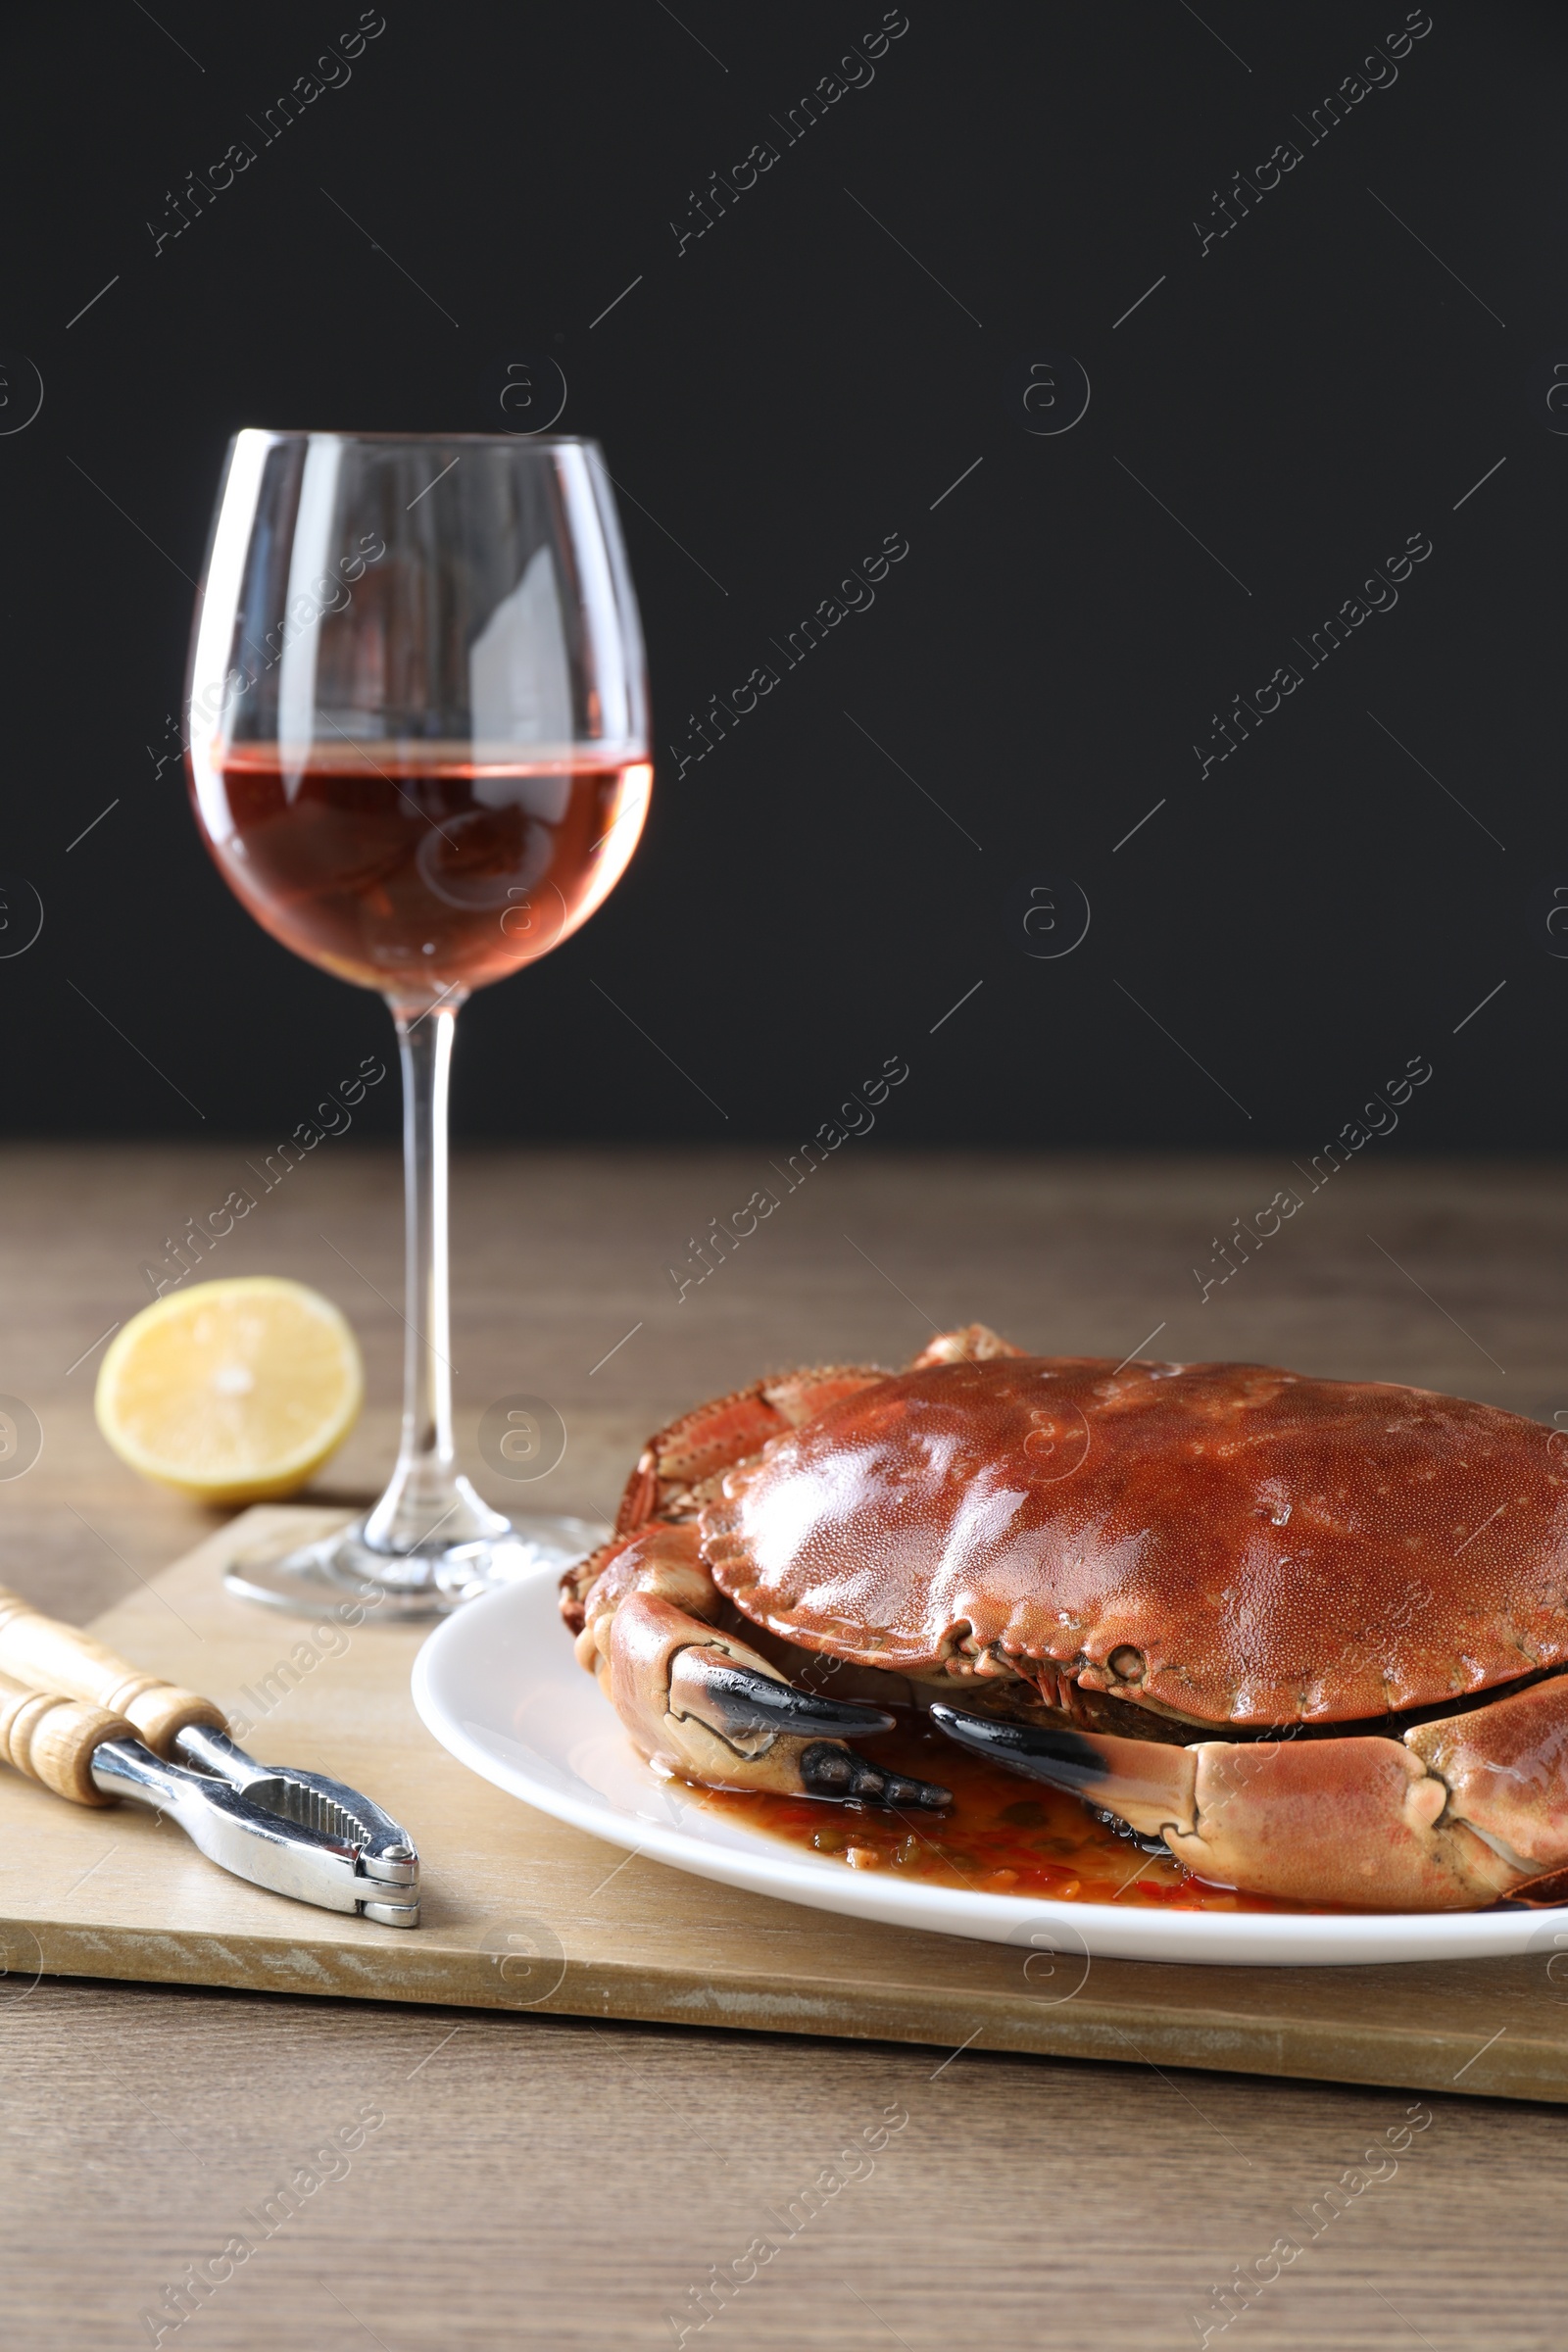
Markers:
{"x": 419, "y": 754}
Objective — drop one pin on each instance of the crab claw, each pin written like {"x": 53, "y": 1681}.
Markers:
{"x": 1354, "y": 1820}
{"x": 700, "y": 1704}
{"x": 1149, "y": 1786}
{"x": 735, "y": 1699}
{"x": 830, "y": 1770}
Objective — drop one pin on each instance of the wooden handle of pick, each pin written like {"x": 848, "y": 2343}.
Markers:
{"x": 47, "y": 1655}
{"x": 51, "y": 1739}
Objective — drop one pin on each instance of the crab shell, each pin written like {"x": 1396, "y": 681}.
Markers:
{"x": 1221, "y": 1544}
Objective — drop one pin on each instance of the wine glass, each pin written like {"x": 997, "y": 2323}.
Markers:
{"x": 418, "y": 753}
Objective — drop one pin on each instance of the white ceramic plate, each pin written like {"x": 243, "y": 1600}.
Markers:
{"x": 498, "y": 1686}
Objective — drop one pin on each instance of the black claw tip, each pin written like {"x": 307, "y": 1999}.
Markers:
{"x": 900, "y": 1791}
{"x": 830, "y": 1770}
{"x": 745, "y": 1701}
{"x": 1063, "y": 1759}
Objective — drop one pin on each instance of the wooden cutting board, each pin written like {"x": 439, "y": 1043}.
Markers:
{"x": 523, "y": 1913}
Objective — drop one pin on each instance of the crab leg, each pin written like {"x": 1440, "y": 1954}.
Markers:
{"x": 1454, "y": 1816}
{"x": 701, "y": 1703}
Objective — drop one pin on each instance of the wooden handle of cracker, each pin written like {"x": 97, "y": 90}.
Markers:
{"x": 46, "y": 1656}
{"x": 51, "y": 1739}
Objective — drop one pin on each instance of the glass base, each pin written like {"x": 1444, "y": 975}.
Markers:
{"x": 308, "y": 1578}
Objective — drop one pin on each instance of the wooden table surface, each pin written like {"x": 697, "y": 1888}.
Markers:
{"x": 531, "y": 2179}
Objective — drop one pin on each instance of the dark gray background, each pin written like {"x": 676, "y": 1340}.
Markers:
{"x": 1279, "y": 939}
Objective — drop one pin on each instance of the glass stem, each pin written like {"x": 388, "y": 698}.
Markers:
{"x": 427, "y": 1507}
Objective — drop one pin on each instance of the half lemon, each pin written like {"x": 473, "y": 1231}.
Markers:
{"x": 233, "y": 1392}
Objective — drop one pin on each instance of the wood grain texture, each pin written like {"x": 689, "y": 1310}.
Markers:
{"x": 567, "y": 2181}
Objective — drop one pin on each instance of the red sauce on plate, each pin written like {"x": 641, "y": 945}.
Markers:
{"x": 1000, "y": 1836}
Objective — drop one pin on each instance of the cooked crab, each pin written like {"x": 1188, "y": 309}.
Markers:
{"x": 1363, "y": 1587}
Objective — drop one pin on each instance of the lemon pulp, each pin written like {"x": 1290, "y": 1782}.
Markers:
{"x": 231, "y": 1392}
